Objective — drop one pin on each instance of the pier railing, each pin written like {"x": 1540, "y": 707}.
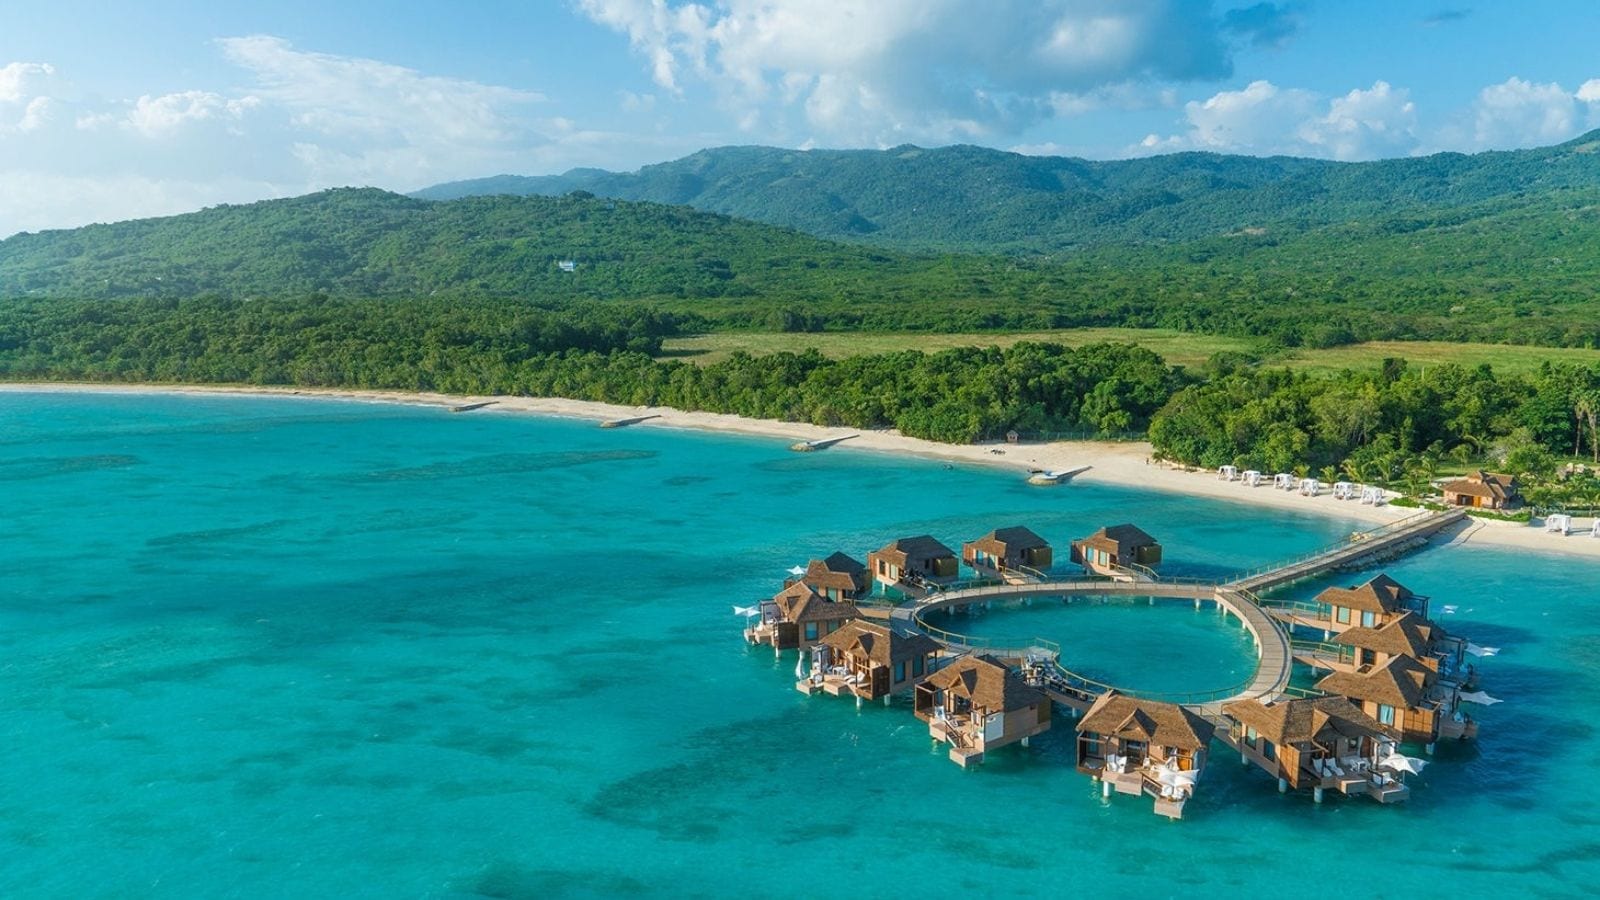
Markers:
{"x": 1355, "y": 538}
{"x": 1022, "y": 646}
{"x": 1084, "y": 685}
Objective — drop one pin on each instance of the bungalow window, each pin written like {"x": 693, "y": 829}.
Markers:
{"x": 916, "y": 666}
{"x": 1250, "y": 736}
{"x": 1341, "y": 614}
{"x": 811, "y": 631}
{"x": 1386, "y": 714}
{"x": 900, "y": 671}
{"x": 1369, "y": 619}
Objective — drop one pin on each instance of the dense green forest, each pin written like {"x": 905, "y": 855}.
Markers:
{"x": 1521, "y": 270}
{"x": 584, "y": 353}
{"x": 1384, "y": 425}
{"x": 978, "y": 200}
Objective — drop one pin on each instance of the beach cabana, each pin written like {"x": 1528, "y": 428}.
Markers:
{"x": 1252, "y": 477}
{"x": 1367, "y": 605}
{"x": 977, "y": 705}
{"x": 1283, "y": 481}
{"x": 1310, "y": 487}
{"x": 1004, "y": 550}
{"x": 1143, "y": 747}
{"x": 913, "y": 564}
{"x": 1594, "y": 529}
{"x": 1558, "y": 523}
{"x": 869, "y": 661}
{"x": 798, "y": 617}
{"x": 1115, "y": 550}
{"x": 1371, "y": 495}
{"x": 839, "y": 577}
{"x": 1228, "y": 473}
{"x": 1482, "y": 490}
{"x": 1343, "y": 490}
{"x": 1407, "y": 696}
{"x": 1318, "y": 743}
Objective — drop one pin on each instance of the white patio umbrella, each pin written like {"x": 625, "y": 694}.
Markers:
{"x": 1481, "y": 698}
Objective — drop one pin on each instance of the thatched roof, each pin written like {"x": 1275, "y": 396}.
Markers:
{"x": 1317, "y": 719}
{"x": 989, "y": 685}
{"x": 838, "y": 571}
{"x": 1489, "y": 485}
{"x": 1402, "y": 682}
{"x": 878, "y": 644}
{"x": 1406, "y": 635}
{"x": 1119, "y": 539}
{"x": 1161, "y": 724}
{"x": 1003, "y": 542}
{"x": 1382, "y": 594}
{"x": 904, "y": 550}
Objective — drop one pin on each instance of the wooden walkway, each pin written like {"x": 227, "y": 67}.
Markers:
{"x": 1396, "y": 537}
{"x": 1235, "y": 597}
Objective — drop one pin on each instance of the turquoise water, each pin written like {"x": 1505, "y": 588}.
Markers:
{"x": 273, "y": 647}
{"x": 1159, "y": 646}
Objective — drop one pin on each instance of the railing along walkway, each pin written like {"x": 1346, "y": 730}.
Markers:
{"x": 1237, "y": 596}
{"x": 1362, "y": 543}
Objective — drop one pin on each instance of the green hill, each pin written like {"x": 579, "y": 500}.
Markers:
{"x": 1520, "y": 268}
{"x": 981, "y": 200}
{"x": 366, "y": 242}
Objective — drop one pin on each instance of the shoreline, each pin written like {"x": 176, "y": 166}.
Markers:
{"x": 1125, "y": 464}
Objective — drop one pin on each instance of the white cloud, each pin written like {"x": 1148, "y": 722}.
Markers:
{"x": 882, "y": 71}
{"x": 1519, "y": 113}
{"x": 157, "y": 116}
{"x": 17, "y": 78}
{"x": 303, "y": 121}
{"x": 1363, "y": 124}
{"x": 1263, "y": 118}
{"x": 1590, "y": 91}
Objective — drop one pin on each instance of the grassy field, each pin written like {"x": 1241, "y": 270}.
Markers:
{"x": 1176, "y": 347}
{"x": 1504, "y": 357}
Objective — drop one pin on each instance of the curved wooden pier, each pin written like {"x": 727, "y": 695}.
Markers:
{"x": 1235, "y": 596}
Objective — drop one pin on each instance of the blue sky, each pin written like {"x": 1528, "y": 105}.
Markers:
{"x": 171, "y": 105}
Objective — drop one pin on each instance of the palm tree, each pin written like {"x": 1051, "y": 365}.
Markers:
{"x": 1583, "y": 411}
{"x": 1330, "y": 474}
{"x": 1588, "y": 406}
{"x": 1355, "y": 471}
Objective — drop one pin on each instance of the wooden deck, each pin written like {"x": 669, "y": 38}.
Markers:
{"x": 1235, "y": 597}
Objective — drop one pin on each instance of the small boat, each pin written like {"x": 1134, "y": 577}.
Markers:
{"x": 1053, "y": 476}
{"x": 819, "y": 444}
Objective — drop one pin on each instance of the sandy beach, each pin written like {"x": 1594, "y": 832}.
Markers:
{"x": 1126, "y": 463}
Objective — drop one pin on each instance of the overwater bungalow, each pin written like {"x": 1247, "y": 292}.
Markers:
{"x": 912, "y": 565}
{"x": 869, "y": 661}
{"x": 1407, "y": 696}
{"x": 976, "y": 705}
{"x": 1369, "y": 605}
{"x": 797, "y": 617}
{"x": 1362, "y": 649}
{"x": 1144, "y": 747}
{"x": 1006, "y": 550}
{"x": 1483, "y": 490}
{"x": 1115, "y": 550}
{"x": 1319, "y": 743}
{"x": 839, "y": 577}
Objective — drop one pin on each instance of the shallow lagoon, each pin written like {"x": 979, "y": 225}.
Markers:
{"x": 308, "y": 648}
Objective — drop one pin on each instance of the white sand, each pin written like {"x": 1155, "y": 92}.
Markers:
{"x": 1114, "y": 463}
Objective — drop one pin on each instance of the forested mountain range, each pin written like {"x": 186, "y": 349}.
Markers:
{"x": 1522, "y": 269}
{"x": 974, "y": 199}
